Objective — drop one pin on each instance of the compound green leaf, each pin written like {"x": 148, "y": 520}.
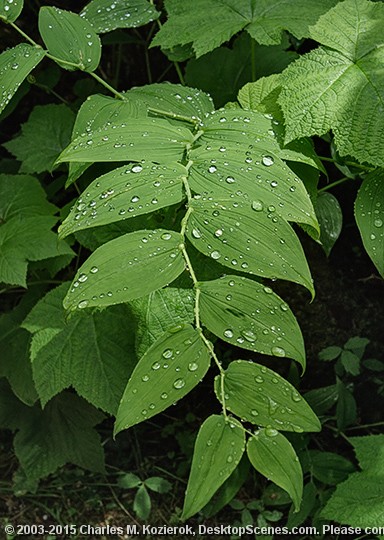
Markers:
{"x": 261, "y": 396}
{"x": 22, "y": 196}
{"x": 107, "y": 15}
{"x": 168, "y": 371}
{"x": 250, "y": 315}
{"x": 43, "y": 137}
{"x": 126, "y": 192}
{"x": 15, "y": 65}
{"x": 92, "y": 352}
{"x": 208, "y": 23}
{"x": 369, "y": 213}
{"x": 152, "y": 139}
{"x": 340, "y": 86}
{"x": 219, "y": 447}
{"x": 70, "y": 39}
{"x": 248, "y": 237}
{"x": 273, "y": 456}
{"x": 159, "y": 312}
{"x": 330, "y": 218}
{"x": 126, "y": 268}
{"x": 10, "y": 9}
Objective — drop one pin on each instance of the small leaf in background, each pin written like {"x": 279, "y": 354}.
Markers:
{"x": 168, "y": 371}
{"x": 273, "y": 456}
{"x": 249, "y": 315}
{"x": 15, "y": 65}
{"x": 158, "y": 484}
{"x": 219, "y": 447}
{"x": 43, "y": 137}
{"x": 322, "y": 399}
{"x": 346, "y": 409}
{"x": 107, "y": 15}
{"x": 10, "y": 9}
{"x": 70, "y": 38}
{"x": 369, "y": 213}
{"x": 261, "y": 396}
{"x": 330, "y": 468}
{"x": 350, "y": 362}
{"x": 328, "y": 212}
{"x": 126, "y": 268}
{"x": 357, "y": 345}
{"x": 129, "y": 481}
{"x": 330, "y": 353}
{"x": 142, "y": 503}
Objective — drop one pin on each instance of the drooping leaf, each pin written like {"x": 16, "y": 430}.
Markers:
{"x": 152, "y": 139}
{"x": 249, "y": 315}
{"x": 69, "y": 38}
{"x": 322, "y": 399}
{"x": 43, "y": 137}
{"x": 274, "y": 457}
{"x": 10, "y": 9}
{"x": 159, "y": 312}
{"x": 330, "y": 218}
{"x": 168, "y": 371}
{"x": 126, "y": 268}
{"x": 15, "y": 65}
{"x": 339, "y": 85}
{"x": 107, "y": 15}
{"x": 208, "y": 23}
{"x": 92, "y": 352}
{"x": 126, "y": 192}
{"x": 263, "y": 397}
{"x": 248, "y": 237}
{"x": 262, "y": 95}
{"x": 369, "y": 213}
{"x": 219, "y": 447}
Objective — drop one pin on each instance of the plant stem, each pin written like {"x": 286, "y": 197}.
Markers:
{"x": 253, "y": 66}
{"x": 168, "y": 114}
{"x": 366, "y": 426}
{"x": 107, "y": 86}
{"x": 179, "y": 73}
{"x": 25, "y": 36}
{"x": 333, "y": 184}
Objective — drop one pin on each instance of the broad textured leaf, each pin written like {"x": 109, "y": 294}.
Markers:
{"x": 340, "y": 86}
{"x": 330, "y": 218}
{"x": 43, "y": 137}
{"x": 126, "y": 192}
{"x": 10, "y": 9}
{"x": 96, "y": 111}
{"x": 126, "y": 268}
{"x": 107, "y": 15}
{"x": 219, "y": 447}
{"x": 92, "y": 352}
{"x": 369, "y": 452}
{"x": 248, "y": 237}
{"x": 159, "y": 312}
{"x": 70, "y": 38}
{"x": 168, "y": 371}
{"x": 208, "y": 23}
{"x": 62, "y": 433}
{"x": 273, "y": 456}
{"x": 330, "y": 468}
{"x": 261, "y": 396}
{"x": 22, "y": 196}
{"x": 15, "y": 65}
{"x": 152, "y": 139}
{"x": 249, "y": 315}
{"x": 173, "y": 100}
{"x": 369, "y": 213}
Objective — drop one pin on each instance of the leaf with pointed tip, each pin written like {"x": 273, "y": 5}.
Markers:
{"x": 330, "y": 218}
{"x": 15, "y": 65}
{"x": 248, "y": 237}
{"x": 273, "y": 456}
{"x": 126, "y": 192}
{"x": 107, "y": 15}
{"x": 126, "y": 268}
{"x": 69, "y": 38}
{"x": 152, "y": 139}
{"x": 339, "y": 85}
{"x": 261, "y": 396}
{"x": 251, "y": 316}
{"x": 369, "y": 213}
{"x": 10, "y": 10}
{"x": 218, "y": 450}
{"x": 168, "y": 371}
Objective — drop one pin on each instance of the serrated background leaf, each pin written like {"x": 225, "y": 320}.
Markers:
{"x": 273, "y": 456}
{"x": 168, "y": 371}
{"x": 70, "y": 38}
{"x": 107, "y": 15}
{"x": 249, "y": 315}
{"x": 263, "y": 397}
{"x": 10, "y": 10}
{"x": 15, "y": 65}
{"x": 219, "y": 447}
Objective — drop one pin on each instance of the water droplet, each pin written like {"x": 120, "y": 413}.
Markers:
{"x": 229, "y": 459}
{"x": 166, "y": 236}
{"x": 196, "y": 233}
{"x": 193, "y": 366}
{"x": 179, "y": 383}
{"x": 137, "y": 168}
{"x": 228, "y": 333}
{"x": 259, "y": 379}
{"x": 284, "y": 307}
{"x": 94, "y": 269}
{"x": 156, "y": 366}
{"x": 378, "y": 223}
{"x": 267, "y": 290}
{"x": 254, "y": 412}
{"x": 168, "y": 353}
{"x": 249, "y": 335}
{"x": 215, "y": 255}
{"x": 278, "y": 351}
{"x": 257, "y": 206}
{"x": 164, "y": 395}
{"x": 230, "y": 180}
{"x": 296, "y": 396}
{"x": 270, "y": 432}
{"x": 144, "y": 412}
{"x": 212, "y": 169}
{"x": 83, "y": 304}
{"x": 267, "y": 161}
{"x": 218, "y": 232}
{"x": 82, "y": 278}
{"x": 145, "y": 378}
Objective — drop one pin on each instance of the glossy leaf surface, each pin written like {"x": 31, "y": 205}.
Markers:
{"x": 10, "y": 9}
{"x": 107, "y": 15}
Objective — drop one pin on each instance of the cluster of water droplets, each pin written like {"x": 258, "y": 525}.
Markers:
{"x": 374, "y": 212}
{"x": 117, "y": 14}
